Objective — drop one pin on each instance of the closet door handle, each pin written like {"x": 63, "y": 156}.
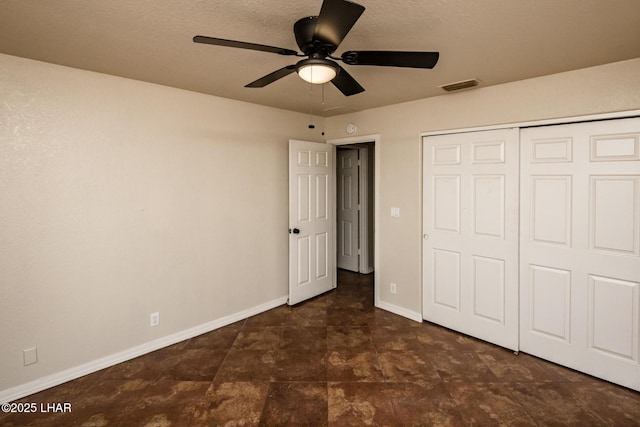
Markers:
{"x": 294, "y": 231}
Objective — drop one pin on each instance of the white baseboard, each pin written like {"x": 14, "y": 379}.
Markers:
{"x": 412, "y": 315}
{"x": 53, "y": 380}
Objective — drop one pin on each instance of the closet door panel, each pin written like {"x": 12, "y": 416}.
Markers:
{"x": 470, "y": 223}
{"x": 580, "y": 247}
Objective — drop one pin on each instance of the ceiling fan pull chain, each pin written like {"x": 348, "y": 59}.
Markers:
{"x": 311, "y": 125}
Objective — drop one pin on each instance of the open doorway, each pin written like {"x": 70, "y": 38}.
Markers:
{"x": 355, "y": 201}
{"x": 372, "y": 142}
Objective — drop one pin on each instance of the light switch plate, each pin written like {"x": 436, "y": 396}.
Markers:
{"x": 395, "y": 212}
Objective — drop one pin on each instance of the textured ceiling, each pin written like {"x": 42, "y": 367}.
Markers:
{"x": 496, "y": 41}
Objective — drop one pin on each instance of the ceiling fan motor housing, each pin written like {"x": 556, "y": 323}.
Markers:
{"x": 304, "y": 30}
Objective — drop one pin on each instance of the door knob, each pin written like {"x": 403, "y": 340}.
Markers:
{"x": 425, "y": 236}
{"x": 294, "y": 231}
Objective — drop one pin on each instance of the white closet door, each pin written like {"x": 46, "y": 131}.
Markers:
{"x": 470, "y": 226}
{"x": 580, "y": 247}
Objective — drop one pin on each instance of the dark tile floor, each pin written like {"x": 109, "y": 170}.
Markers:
{"x": 335, "y": 361}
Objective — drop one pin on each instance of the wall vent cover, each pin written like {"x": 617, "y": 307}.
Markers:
{"x": 465, "y": 84}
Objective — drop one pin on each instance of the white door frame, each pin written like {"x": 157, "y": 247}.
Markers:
{"x": 376, "y": 216}
{"x": 363, "y": 193}
{"x": 364, "y": 264}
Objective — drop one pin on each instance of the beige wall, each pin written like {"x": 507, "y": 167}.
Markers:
{"x": 607, "y": 88}
{"x": 121, "y": 198}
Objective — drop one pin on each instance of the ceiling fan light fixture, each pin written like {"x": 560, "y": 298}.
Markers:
{"x": 316, "y": 71}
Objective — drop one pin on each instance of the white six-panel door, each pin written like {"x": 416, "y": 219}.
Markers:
{"x": 348, "y": 210}
{"x": 312, "y": 250}
{"x": 580, "y": 247}
{"x": 470, "y": 241}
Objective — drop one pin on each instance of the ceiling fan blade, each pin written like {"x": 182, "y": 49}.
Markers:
{"x": 270, "y": 78}
{"x": 336, "y": 19}
{"x": 391, "y": 58}
{"x": 346, "y": 84}
{"x": 244, "y": 45}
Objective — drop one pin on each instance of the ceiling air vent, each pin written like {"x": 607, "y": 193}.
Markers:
{"x": 465, "y": 84}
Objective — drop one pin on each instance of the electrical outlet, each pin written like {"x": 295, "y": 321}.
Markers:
{"x": 155, "y": 319}
{"x": 392, "y": 288}
{"x": 30, "y": 356}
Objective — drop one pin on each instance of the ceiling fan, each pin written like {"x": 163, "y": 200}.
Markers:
{"x": 318, "y": 37}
